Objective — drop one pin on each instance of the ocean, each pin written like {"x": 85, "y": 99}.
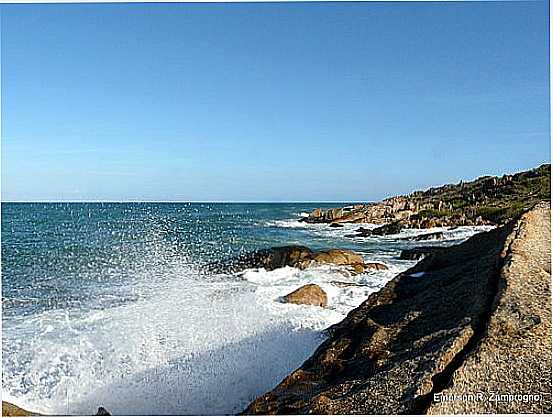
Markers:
{"x": 107, "y": 304}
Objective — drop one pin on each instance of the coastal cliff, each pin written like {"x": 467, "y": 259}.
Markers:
{"x": 486, "y": 200}
{"x": 473, "y": 319}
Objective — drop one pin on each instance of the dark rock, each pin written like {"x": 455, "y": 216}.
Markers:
{"x": 387, "y": 229}
{"x": 418, "y": 253}
{"x": 310, "y": 294}
{"x": 343, "y": 284}
{"x": 336, "y": 225}
{"x": 426, "y": 236}
{"x": 102, "y": 412}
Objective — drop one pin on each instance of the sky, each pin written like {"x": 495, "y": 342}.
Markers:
{"x": 268, "y": 101}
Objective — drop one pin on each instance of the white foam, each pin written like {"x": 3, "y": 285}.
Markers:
{"x": 186, "y": 348}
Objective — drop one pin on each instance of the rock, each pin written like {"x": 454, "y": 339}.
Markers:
{"x": 310, "y": 294}
{"x": 514, "y": 351}
{"x": 418, "y": 253}
{"x": 102, "y": 412}
{"x": 474, "y": 317}
{"x": 270, "y": 259}
{"x": 11, "y": 410}
{"x": 294, "y": 256}
{"x": 337, "y": 257}
{"x": 485, "y": 201}
{"x": 336, "y": 225}
{"x": 376, "y": 265}
{"x": 343, "y": 284}
{"x": 427, "y": 236}
{"x": 359, "y": 268}
{"x": 388, "y": 229}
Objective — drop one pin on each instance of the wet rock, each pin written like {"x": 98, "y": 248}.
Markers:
{"x": 388, "y": 229}
{"x": 376, "y": 266}
{"x": 294, "y": 256}
{"x": 426, "y": 236}
{"x": 336, "y": 225}
{"x": 344, "y": 284}
{"x": 360, "y": 232}
{"x": 270, "y": 259}
{"x": 310, "y": 294}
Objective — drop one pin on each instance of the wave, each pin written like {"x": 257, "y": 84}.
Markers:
{"x": 185, "y": 345}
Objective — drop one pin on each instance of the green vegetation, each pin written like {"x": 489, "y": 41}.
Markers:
{"x": 494, "y": 199}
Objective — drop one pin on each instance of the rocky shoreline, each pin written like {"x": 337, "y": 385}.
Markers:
{"x": 474, "y": 318}
{"x": 484, "y": 201}
{"x": 466, "y": 319}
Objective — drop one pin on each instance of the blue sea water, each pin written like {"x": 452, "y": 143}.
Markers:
{"x": 107, "y": 303}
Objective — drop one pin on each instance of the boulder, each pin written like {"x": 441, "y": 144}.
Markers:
{"x": 270, "y": 259}
{"x": 310, "y": 294}
{"x": 294, "y": 256}
{"x": 337, "y": 257}
{"x": 336, "y": 225}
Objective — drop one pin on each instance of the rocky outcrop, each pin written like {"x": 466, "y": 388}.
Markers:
{"x": 294, "y": 256}
{"x": 310, "y": 294}
{"x": 475, "y": 317}
{"x": 487, "y": 200}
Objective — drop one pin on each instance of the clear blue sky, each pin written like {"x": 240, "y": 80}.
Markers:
{"x": 269, "y": 102}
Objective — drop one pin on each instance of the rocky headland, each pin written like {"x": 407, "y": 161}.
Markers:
{"x": 485, "y": 201}
{"x": 466, "y": 330}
